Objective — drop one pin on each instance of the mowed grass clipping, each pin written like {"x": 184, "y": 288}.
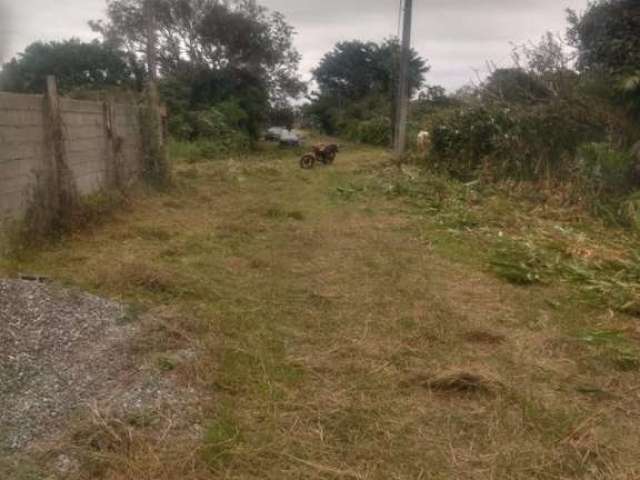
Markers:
{"x": 359, "y": 321}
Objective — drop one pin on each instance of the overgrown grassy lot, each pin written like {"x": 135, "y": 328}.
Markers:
{"x": 362, "y": 321}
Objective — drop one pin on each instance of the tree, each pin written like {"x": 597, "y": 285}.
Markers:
{"x": 435, "y": 94}
{"x": 357, "y": 82}
{"x": 549, "y": 64}
{"x": 211, "y": 52}
{"x": 515, "y": 85}
{"x": 608, "y": 44}
{"x": 283, "y": 115}
{"x": 355, "y": 69}
{"x": 76, "y": 64}
{"x": 196, "y": 36}
{"x": 607, "y": 37}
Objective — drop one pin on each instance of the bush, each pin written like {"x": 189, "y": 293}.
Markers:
{"x": 465, "y": 136}
{"x": 209, "y": 124}
{"x": 603, "y": 170}
{"x": 209, "y": 134}
{"x": 525, "y": 143}
{"x": 180, "y": 127}
{"x": 376, "y": 131}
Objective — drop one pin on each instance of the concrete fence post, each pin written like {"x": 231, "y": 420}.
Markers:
{"x": 113, "y": 154}
{"x": 61, "y": 187}
{"x": 52, "y": 112}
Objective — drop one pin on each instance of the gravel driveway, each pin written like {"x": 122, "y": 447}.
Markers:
{"x": 59, "y": 350}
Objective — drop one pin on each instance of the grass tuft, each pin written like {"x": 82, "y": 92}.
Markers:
{"x": 221, "y": 438}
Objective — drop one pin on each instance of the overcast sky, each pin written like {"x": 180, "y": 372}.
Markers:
{"x": 457, "y": 36}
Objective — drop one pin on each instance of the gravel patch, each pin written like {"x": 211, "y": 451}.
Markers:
{"x": 61, "y": 350}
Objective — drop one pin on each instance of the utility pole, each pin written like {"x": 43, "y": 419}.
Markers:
{"x": 402, "y": 101}
{"x": 152, "y": 40}
{"x": 155, "y": 162}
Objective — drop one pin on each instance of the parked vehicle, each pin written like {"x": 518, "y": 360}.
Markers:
{"x": 325, "y": 154}
{"x": 289, "y": 139}
{"x": 273, "y": 134}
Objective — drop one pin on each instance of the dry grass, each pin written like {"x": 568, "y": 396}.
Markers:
{"x": 456, "y": 382}
{"x": 314, "y": 303}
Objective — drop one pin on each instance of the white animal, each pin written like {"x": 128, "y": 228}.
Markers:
{"x": 423, "y": 142}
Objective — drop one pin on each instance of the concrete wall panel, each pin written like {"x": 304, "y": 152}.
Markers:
{"x": 25, "y": 151}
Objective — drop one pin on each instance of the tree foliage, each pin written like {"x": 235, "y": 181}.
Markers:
{"x": 355, "y": 69}
{"x": 515, "y": 85}
{"x": 211, "y": 52}
{"x": 356, "y": 85}
{"x": 201, "y": 36}
{"x": 607, "y": 36}
{"x": 91, "y": 66}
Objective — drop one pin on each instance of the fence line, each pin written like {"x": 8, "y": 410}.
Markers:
{"x": 80, "y": 147}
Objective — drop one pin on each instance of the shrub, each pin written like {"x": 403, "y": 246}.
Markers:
{"x": 602, "y": 169}
{"x": 376, "y": 131}
{"x": 180, "y": 127}
{"x": 525, "y": 143}
{"x": 208, "y": 123}
{"x": 210, "y": 134}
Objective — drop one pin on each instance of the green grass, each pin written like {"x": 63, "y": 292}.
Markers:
{"x": 337, "y": 317}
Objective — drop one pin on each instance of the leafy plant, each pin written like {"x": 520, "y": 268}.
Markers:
{"x": 517, "y": 263}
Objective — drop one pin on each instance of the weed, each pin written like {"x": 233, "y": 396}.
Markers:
{"x": 220, "y": 439}
{"x": 517, "y": 263}
{"x": 132, "y": 313}
{"x": 603, "y": 337}
{"x": 614, "y": 348}
{"x": 279, "y": 214}
{"x": 296, "y": 215}
{"x": 349, "y": 191}
{"x": 166, "y": 364}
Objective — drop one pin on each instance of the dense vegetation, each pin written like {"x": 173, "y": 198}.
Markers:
{"x": 356, "y": 86}
{"x": 565, "y": 113}
{"x": 554, "y": 119}
{"x": 88, "y": 66}
{"x": 225, "y": 68}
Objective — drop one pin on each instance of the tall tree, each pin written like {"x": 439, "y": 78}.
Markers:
{"x": 76, "y": 64}
{"x": 196, "y": 36}
{"x": 211, "y": 52}
{"x": 355, "y": 69}
{"x": 356, "y": 83}
{"x": 607, "y": 37}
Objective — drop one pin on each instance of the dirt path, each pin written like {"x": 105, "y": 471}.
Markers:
{"x": 333, "y": 341}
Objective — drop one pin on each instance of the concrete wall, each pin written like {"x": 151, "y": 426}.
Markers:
{"x": 103, "y": 146}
